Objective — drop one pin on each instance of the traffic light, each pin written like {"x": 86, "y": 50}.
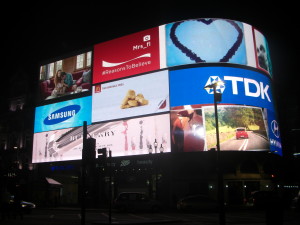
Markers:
{"x": 89, "y": 150}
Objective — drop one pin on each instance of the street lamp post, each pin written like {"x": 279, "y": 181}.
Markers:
{"x": 161, "y": 149}
{"x": 217, "y": 98}
{"x": 155, "y": 146}
{"x": 156, "y": 175}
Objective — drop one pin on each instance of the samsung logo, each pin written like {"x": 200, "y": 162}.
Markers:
{"x": 62, "y": 114}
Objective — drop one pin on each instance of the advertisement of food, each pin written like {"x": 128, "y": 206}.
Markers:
{"x": 125, "y": 56}
{"x": 61, "y": 115}
{"x": 122, "y": 137}
{"x": 136, "y": 96}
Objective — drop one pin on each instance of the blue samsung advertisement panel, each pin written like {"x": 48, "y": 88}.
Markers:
{"x": 62, "y": 115}
{"x": 242, "y": 87}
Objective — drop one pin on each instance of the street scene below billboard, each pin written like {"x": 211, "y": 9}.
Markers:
{"x": 123, "y": 137}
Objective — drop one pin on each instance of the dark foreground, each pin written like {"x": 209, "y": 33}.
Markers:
{"x": 72, "y": 216}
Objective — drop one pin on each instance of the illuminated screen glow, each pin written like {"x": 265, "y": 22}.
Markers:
{"x": 122, "y": 137}
{"x": 77, "y": 80}
{"x": 214, "y": 40}
{"x": 193, "y": 129}
{"x": 262, "y": 52}
{"x": 205, "y": 40}
{"x": 61, "y": 115}
{"x": 130, "y": 97}
{"x": 129, "y": 55}
{"x": 231, "y": 119}
{"x": 274, "y": 133}
{"x": 132, "y": 101}
{"x": 242, "y": 86}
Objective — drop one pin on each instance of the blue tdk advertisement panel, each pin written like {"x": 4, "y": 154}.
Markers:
{"x": 241, "y": 87}
{"x": 62, "y": 115}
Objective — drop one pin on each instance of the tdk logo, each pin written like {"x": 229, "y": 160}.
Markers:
{"x": 62, "y": 114}
{"x": 252, "y": 87}
{"x": 212, "y": 80}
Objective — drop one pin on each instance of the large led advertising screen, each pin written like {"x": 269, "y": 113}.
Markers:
{"x": 66, "y": 77}
{"x": 61, "y": 115}
{"x": 242, "y": 128}
{"x": 129, "y": 55}
{"x": 149, "y": 86}
{"x": 242, "y": 86}
{"x": 122, "y": 137}
{"x": 136, "y": 96}
{"x": 213, "y": 40}
{"x": 263, "y": 60}
{"x": 247, "y": 104}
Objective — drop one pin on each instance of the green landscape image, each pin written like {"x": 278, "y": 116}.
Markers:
{"x": 230, "y": 118}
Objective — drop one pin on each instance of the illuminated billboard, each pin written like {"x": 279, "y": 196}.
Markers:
{"x": 129, "y": 55}
{"x": 274, "y": 133}
{"x": 122, "y": 137}
{"x": 149, "y": 86}
{"x": 61, "y": 115}
{"x": 242, "y": 86}
{"x": 66, "y": 77}
{"x": 215, "y": 40}
{"x": 262, "y": 52}
{"x": 146, "y": 94}
{"x": 247, "y": 102}
{"x": 241, "y": 128}
{"x": 193, "y": 128}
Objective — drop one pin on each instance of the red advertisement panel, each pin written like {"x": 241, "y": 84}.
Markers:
{"x": 125, "y": 56}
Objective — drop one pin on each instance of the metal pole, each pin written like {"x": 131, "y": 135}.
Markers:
{"x": 222, "y": 220}
{"x": 83, "y": 171}
{"x": 110, "y": 189}
{"x": 156, "y": 175}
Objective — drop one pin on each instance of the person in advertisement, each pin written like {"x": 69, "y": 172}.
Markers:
{"x": 68, "y": 79}
{"x": 59, "y": 82}
{"x": 188, "y": 130}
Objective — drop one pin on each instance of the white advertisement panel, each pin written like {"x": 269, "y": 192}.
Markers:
{"x": 123, "y": 137}
{"x": 141, "y": 95}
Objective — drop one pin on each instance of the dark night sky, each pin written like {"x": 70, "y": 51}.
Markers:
{"x": 34, "y": 33}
